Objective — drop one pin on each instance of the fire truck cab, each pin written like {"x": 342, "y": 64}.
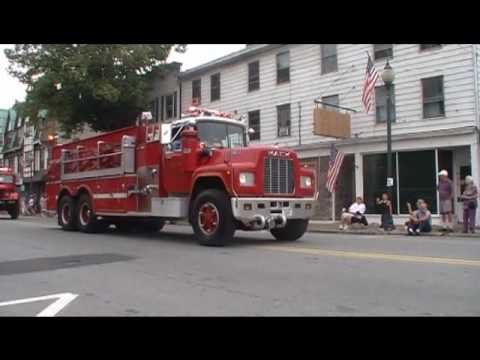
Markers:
{"x": 199, "y": 168}
{"x": 9, "y": 197}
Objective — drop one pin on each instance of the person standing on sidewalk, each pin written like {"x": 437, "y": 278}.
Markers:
{"x": 469, "y": 198}
{"x": 445, "y": 191}
{"x": 386, "y": 210}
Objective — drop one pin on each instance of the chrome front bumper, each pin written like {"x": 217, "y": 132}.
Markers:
{"x": 247, "y": 210}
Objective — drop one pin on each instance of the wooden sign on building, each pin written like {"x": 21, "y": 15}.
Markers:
{"x": 331, "y": 123}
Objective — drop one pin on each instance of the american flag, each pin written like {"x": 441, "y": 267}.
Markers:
{"x": 334, "y": 165}
{"x": 371, "y": 77}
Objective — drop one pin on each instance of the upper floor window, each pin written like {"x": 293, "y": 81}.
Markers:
{"x": 197, "y": 91}
{"x": 283, "y": 120}
{"x": 382, "y": 51}
{"x": 254, "y": 76}
{"x": 169, "y": 106}
{"x": 254, "y": 123}
{"x": 429, "y": 46}
{"x": 381, "y": 103}
{"x": 215, "y": 87}
{"x": 329, "y": 58}
{"x": 283, "y": 67}
{"x": 330, "y": 100}
{"x": 433, "y": 99}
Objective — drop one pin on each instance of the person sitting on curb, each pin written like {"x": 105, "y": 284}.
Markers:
{"x": 355, "y": 214}
{"x": 420, "y": 220}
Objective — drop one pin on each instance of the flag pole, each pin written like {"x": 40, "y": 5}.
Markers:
{"x": 333, "y": 206}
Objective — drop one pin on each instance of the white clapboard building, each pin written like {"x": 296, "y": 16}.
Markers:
{"x": 436, "y": 111}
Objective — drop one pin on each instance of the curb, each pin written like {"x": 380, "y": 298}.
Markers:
{"x": 432, "y": 234}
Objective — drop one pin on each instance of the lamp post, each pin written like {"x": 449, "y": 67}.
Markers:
{"x": 388, "y": 76}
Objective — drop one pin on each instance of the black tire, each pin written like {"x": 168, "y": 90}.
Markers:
{"x": 294, "y": 230}
{"x": 86, "y": 219}
{"x": 67, "y": 217}
{"x": 225, "y": 228}
{"x": 14, "y": 212}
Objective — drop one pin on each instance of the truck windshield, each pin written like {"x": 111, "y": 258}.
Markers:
{"x": 221, "y": 135}
{"x": 8, "y": 179}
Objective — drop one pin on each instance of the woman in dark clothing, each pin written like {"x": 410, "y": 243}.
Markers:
{"x": 386, "y": 210}
{"x": 469, "y": 198}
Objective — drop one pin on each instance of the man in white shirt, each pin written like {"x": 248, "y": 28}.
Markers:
{"x": 355, "y": 214}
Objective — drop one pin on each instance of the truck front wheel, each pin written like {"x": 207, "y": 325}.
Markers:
{"x": 212, "y": 218}
{"x": 87, "y": 221}
{"x": 14, "y": 211}
{"x": 294, "y": 230}
{"x": 66, "y": 213}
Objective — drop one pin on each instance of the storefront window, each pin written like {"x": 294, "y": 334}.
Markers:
{"x": 375, "y": 181}
{"x": 417, "y": 179}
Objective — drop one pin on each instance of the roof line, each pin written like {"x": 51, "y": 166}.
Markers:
{"x": 228, "y": 59}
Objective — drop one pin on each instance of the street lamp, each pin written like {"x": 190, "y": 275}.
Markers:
{"x": 388, "y": 76}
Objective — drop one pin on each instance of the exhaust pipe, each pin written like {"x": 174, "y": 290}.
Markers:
{"x": 259, "y": 222}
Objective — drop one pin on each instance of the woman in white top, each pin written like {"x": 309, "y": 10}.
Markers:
{"x": 355, "y": 213}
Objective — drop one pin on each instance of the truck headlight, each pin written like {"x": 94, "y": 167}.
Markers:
{"x": 305, "y": 182}
{"x": 247, "y": 179}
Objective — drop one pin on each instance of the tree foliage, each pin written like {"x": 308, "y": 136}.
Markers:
{"x": 102, "y": 85}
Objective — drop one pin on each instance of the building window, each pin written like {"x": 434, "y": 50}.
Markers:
{"x": 283, "y": 67}
{"x": 382, "y": 51}
{"x": 36, "y": 164}
{"x": 254, "y": 123}
{"x": 429, "y": 46}
{"x": 215, "y": 87}
{"x": 330, "y": 100}
{"x": 375, "y": 181}
{"x": 45, "y": 158}
{"x": 254, "y": 76}
{"x": 416, "y": 180}
{"x": 283, "y": 120}
{"x": 433, "y": 100}
{"x": 329, "y": 58}
{"x": 381, "y": 103}
{"x": 197, "y": 91}
{"x": 169, "y": 106}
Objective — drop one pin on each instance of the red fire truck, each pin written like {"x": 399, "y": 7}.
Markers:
{"x": 9, "y": 197}
{"x": 198, "y": 168}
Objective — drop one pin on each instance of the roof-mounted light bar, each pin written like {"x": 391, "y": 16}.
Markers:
{"x": 198, "y": 111}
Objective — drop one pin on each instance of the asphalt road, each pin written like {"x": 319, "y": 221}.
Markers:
{"x": 168, "y": 274}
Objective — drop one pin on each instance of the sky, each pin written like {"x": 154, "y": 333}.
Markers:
{"x": 11, "y": 89}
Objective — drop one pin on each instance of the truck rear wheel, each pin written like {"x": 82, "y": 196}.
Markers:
{"x": 293, "y": 230}
{"x": 86, "y": 220}
{"x": 212, "y": 218}
{"x": 14, "y": 211}
{"x": 67, "y": 213}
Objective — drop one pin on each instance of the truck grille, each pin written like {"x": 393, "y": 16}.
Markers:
{"x": 278, "y": 175}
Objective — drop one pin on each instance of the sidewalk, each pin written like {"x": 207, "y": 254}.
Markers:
{"x": 374, "y": 229}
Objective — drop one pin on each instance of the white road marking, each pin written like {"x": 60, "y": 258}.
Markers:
{"x": 51, "y": 310}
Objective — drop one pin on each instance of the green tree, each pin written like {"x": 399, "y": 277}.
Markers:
{"x": 102, "y": 85}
